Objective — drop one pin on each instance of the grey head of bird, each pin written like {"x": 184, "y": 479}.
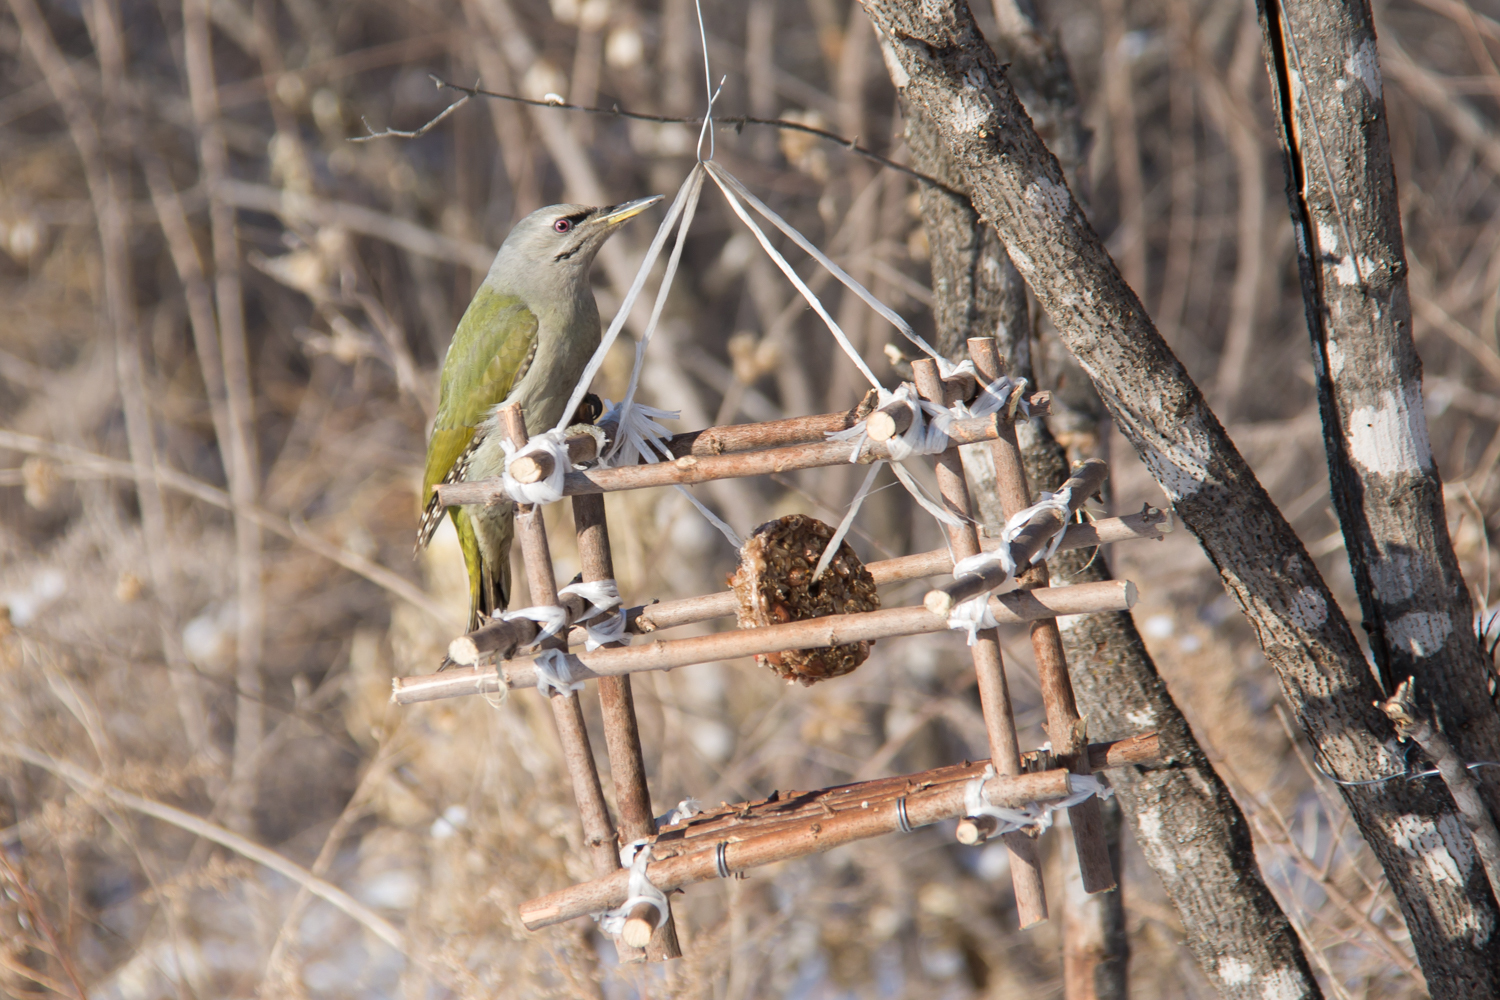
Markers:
{"x": 547, "y": 255}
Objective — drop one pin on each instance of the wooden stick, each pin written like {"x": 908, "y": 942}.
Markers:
{"x": 1144, "y": 748}
{"x": 989, "y": 666}
{"x": 890, "y": 420}
{"x": 584, "y": 448}
{"x": 598, "y": 829}
{"x": 504, "y": 637}
{"x": 1084, "y": 482}
{"x": 1064, "y": 726}
{"x": 919, "y": 807}
{"x": 622, "y": 738}
{"x": 833, "y": 630}
{"x": 691, "y": 469}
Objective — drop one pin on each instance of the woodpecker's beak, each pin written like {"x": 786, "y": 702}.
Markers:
{"x": 616, "y": 214}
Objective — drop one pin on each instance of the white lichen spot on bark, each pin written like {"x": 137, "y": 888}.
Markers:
{"x": 1181, "y": 466}
{"x": 893, "y": 65}
{"x": 1364, "y": 66}
{"x": 1047, "y": 198}
{"x": 1446, "y": 851}
{"x": 1065, "y": 623}
{"x": 968, "y": 112}
{"x": 1235, "y": 971}
{"x": 1391, "y": 436}
{"x": 1142, "y": 717}
{"x": 1021, "y": 259}
{"x": 1283, "y": 984}
{"x": 1309, "y": 610}
{"x": 1151, "y": 829}
{"x": 1350, "y": 274}
{"x": 1394, "y": 577}
{"x": 1421, "y": 633}
{"x": 1328, "y": 240}
{"x": 1335, "y": 358}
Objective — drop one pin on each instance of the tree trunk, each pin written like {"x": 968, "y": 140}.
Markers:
{"x": 1190, "y": 829}
{"x": 936, "y": 56}
{"x": 1341, "y": 188}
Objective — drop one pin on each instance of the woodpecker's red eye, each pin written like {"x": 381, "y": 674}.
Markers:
{"x": 562, "y": 225}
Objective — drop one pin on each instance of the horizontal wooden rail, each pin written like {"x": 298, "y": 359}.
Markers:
{"x": 832, "y": 630}
{"x": 691, "y": 469}
{"x": 503, "y": 638}
{"x": 735, "y": 838}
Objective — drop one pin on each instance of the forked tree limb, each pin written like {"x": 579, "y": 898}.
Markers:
{"x": 1341, "y": 189}
{"x": 936, "y": 55}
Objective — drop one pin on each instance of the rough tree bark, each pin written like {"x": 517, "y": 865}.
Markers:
{"x": 1190, "y": 830}
{"x": 938, "y": 59}
{"x": 1341, "y": 188}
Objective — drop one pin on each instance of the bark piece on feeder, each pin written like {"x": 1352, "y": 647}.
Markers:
{"x": 774, "y": 585}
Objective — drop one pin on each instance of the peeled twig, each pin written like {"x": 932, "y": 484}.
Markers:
{"x": 833, "y": 630}
{"x": 1413, "y": 724}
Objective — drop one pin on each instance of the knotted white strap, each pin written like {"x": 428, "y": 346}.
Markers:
{"x": 975, "y": 565}
{"x": 1035, "y": 814}
{"x": 971, "y": 616}
{"x": 640, "y": 890}
{"x": 548, "y": 490}
{"x": 638, "y": 436}
{"x": 603, "y": 596}
{"x": 551, "y": 617}
{"x": 554, "y": 674}
{"x": 686, "y": 809}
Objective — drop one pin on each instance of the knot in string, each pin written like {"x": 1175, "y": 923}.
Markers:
{"x": 548, "y": 490}
{"x": 686, "y": 809}
{"x": 971, "y": 616}
{"x": 554, "y": 673}
{"x": 976, "y": 565}
{"x": 639, "y": 890}
{"x": 1084, "y": 786}
{"x": 551, "y": 617}
{"x": 602, "y": 627}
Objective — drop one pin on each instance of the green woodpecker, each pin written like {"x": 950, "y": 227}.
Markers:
{"x": 525, "y": 338}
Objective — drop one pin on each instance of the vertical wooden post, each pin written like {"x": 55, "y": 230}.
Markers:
{"x": 598, "y": 829}
{"x": 1064, "y": 727}
{"x": 989, "y": 667}
{"x": 627, "y": 765}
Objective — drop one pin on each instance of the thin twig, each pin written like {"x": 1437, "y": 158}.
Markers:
{"x": 737, "y": 122}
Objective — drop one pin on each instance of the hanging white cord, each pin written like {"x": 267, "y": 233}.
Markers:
{"x": 807, "y": 293}
{"x": 724, "y": 177}
{"x": 831, "y": 549}
{"x": 694, "y": 187}
{"x": 709, "y": 92}
{"x": 618, "y": 323}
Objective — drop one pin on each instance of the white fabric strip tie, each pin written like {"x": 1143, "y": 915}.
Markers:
{"x": 552, "y": 618}
{"x": 972, "y": 616}
{"x": 975, "y": 565}
{"x": 639, "y": 889}
{"x": 1084, "y": 786}
{"x": 549, "y": 490}
{"x": 638, "y": 436}
{"x": 602, "y": 626}
{"x": 554, "y": 674}
{"x": 686, "y": 809}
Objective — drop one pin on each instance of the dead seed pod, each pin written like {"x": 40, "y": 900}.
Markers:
{"x": 774, "y": 585}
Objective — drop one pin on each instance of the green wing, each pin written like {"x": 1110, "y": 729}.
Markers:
{"x": 495, "y": 340}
